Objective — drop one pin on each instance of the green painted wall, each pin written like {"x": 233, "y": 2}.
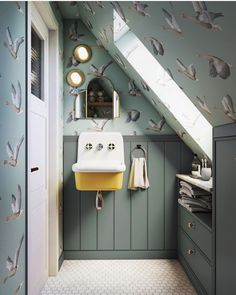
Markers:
{"x": 194, "y": 40}
{"x": 12, "y": 130}
{"x": 132, "y": 224}
{"x": 120, "y": 81}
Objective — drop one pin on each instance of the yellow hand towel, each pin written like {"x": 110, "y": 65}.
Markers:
{"x": 138, "y": 174}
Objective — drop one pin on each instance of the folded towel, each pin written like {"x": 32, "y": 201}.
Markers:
{"x": 195, "y": 193}
{"x": 196, "y": 202}
{"x": 193, "y": 208}
{"x": 138, "y": 174}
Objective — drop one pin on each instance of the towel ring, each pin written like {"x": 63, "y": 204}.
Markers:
{"x": 138, "y": 147}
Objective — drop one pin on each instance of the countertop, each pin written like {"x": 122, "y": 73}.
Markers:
{"x": 205, "y": 185}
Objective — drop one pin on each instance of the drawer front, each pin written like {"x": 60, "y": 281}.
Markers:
{"x": 197, "y": 232}
{"x": 196, "y": 260}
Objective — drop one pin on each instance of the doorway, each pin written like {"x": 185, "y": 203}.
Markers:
{"x": 43, "y": 153}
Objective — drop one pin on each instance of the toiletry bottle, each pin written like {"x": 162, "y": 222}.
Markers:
{"x": 196, "y": 166}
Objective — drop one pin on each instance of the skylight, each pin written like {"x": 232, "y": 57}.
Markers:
{"x": 162, "y": 84}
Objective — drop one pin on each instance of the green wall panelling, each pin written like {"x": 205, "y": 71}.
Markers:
{"x": 131, "y": 224}
{"x": 71, "y": 200}
{"x": 139, "y": 203}
{"x": 88, "y": 221}
{"x": 172, "y": 166}
{"x": 156, "y": 195}
{"x": 123, "y": 208}
{"x": 105, "y": 223}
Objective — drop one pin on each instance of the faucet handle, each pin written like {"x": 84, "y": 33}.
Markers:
{"x": 111, "y": 146}
{"x": 88, "y": 146}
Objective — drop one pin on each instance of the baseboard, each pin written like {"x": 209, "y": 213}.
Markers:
{"x": 194, "y": 280}
{"x": 162, "y": 254}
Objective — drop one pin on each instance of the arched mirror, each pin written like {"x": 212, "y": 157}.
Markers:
{"x": 100, "y": 101}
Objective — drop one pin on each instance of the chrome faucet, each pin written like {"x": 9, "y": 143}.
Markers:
{"x": 100, "y": 146}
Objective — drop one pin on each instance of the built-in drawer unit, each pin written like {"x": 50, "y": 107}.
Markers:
{"x": 198, "y": 232}
{"x": 195, "y": 239}
{"x": 196, "y": 260}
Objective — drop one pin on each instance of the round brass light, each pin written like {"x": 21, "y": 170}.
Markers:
{"x": 75, "y": 78}
{"x": 82, "y": 53}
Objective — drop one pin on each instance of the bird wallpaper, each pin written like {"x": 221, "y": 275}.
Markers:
{"x": 12, "y": 147}
{"x": 193, "y": 41}
{"x": 137, "y": 114}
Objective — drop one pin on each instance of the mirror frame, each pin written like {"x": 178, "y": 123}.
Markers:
{"x": 115, "y": 95}
{"x": 83, "y": 98}
{"x": 77, "y": 57}
{"x": 69, "y": 80}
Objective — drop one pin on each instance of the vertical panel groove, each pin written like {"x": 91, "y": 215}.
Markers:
{"x": 164, "y": 188}
{"x": 96, "y": 229}
{"x": 114, "y": 220}
{"x": 147, "y": 157}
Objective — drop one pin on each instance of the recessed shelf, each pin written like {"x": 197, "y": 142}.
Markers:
{"x": 100, "y": 104}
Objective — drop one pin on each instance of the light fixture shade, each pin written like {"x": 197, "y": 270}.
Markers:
{"x": 75, "y": 78}
{"x": 82, "y": 53}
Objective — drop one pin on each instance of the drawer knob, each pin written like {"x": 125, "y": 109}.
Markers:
{"x": 191, "y": 225}
{"x": 191, "y": 251}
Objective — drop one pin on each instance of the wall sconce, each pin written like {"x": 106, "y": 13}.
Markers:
{"x": 82, "y": 53}
{"x": 75, "y": 78}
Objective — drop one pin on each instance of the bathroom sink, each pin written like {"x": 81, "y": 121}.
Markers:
{"x": 98, "y": 166}
{"x": 100, "y": 161}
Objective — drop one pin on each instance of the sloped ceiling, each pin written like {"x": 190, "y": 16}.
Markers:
{"x": 210, "y": 48}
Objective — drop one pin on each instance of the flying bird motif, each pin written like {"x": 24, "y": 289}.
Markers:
{"x": 133, "y": 89}
{"x": 15, "y": 205}
{"x": 104, "y": 34}
{"x": 189, "y": 71}
{"x": 119, "y": 11}
{"x": 18, "y": 7}
{"x": 180, "y": 133}
{"x": 157, "y": 46}
{"x": 17, "y": 291}
{"x": 88, "y": 23}
{"x": 203, "y": 104}
{"x": 89, "y": 7}
{"x": 144, "y": 85}
{"x": 228, "y": 106}
{"x": 157, "y": 127}
{"x": 217, "y": 67}
{"x": 12, "y": 263}
{"x": 72, "y": 62}
{"x": 133, "y": 116}
{"x": 13, "y": 154}
{"x": 75, "y": 91}
{"x": 99, "y": 4}
{"x": 16, "y": 99}
{"x": 74, "y": 34}
{"x": 172, "y": 22}
{"x": 71, "y": 117}
{"x": 98, "y": 126}
{"x": 204, "y": 17}
{"x": 13, "y": 46}
{"x": 119, "y": 60}
{"x": 139, "y": 8}
{"x": 99, "y": 72}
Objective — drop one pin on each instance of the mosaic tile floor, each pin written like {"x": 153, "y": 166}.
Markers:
{"x": 131, "y": 277}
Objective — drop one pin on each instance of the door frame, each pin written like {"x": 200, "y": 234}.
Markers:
{"x": 54, "y": 125}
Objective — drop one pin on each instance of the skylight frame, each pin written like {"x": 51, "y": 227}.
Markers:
{"x": 163, "y": 85}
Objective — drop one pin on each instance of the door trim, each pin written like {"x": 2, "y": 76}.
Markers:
{"x": 54, "y": 126}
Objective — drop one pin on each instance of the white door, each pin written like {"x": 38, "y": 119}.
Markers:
{"x": 37, "y": 153}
